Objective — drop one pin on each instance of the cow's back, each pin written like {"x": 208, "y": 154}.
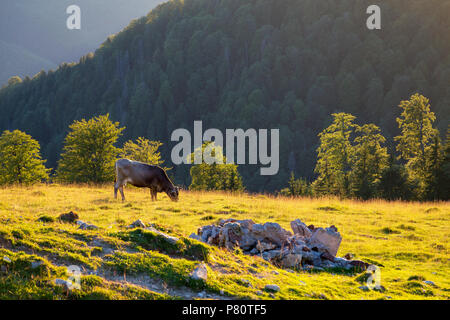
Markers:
{"x": 139, "y": 174}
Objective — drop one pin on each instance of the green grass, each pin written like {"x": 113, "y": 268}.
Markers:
{"x": 408, "y": 241}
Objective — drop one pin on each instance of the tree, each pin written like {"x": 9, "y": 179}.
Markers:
{"x": 142, "y": 150}
{"x": 218, "y": 175}
{"x": 444, "y": 176}
{"x": 433, "y": 175}
{"x": 297, "y": 187}
{"x": 20, "y": 159}
{"x": 335, "y": 154}
{"x": 417, "y": 136}
{"x": 368, "y": 161}
{"x": 394, "y": 183}
{"x": 89, "y": 153}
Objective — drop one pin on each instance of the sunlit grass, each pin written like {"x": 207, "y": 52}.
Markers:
{"x": 407, "y": 239}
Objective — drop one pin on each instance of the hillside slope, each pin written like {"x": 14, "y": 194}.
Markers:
{"x": 235, "y": 64}
{"x": 408, "y": 241}
{"x": 39, "y": 27}
{"x": 16, "y": 61}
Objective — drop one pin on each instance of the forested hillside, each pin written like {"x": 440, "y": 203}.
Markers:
{"x": 247, "y": 64}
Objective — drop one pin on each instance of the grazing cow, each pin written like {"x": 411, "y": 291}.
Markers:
{"x": 143, "y": 175}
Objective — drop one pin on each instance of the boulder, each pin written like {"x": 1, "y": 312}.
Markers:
{"x": 136, "y": 224}
{"x": 328, "y": 238}
{"x": 69, "y": 217}
{"x": 291, "y": 260}
{"x": 36, "y": 264}
{"x": 299, "y": 228}
{"x": 86, "y": 226}
{"x": 196, "y": 237}
{"x": 265, "y": 246}
{"x": 199, "y": 273}
{"x": 272, "y": 288}
{"x": 272, "y": 232}
{"x": 170, "y": 239}
{"x": 327, "y": 256}
{"x": 361, "y": 265}
{"x": 312, "y": 258}
{"x": 270, "y": 255}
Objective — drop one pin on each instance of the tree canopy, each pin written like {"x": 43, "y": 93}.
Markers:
{"x": 20, "y": 159}
{"x": 89, "y": 153}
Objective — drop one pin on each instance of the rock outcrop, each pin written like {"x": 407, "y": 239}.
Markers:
{"x": 305, "y": 247}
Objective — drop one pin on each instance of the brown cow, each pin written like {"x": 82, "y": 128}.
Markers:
{"x": 143, "y": 175}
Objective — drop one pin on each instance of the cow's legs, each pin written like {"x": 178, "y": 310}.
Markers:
{"x": 153, "y": 193}
{"x": 116, "y": 187}
{"x": 121, "y": 193}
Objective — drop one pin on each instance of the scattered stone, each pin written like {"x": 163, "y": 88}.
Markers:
{"x": 272, "y": 288}
{"x": 259, "y": 293}
{"x": 65, "y": 283}
{"x": 327, "y": 256}
{"x": 333, "y": 227}
{"x": 359, "y": 264}
{"x": 3, "y": 269}
{"x": 265, "y": 246}
{"x": 246, "y": 283}
{"x": 196, "y": 237}
{"x": 6, "y": 259}
{"x": 69, "y": 217}
{"x": 291, "y": 261}
{"x": 307, "y": 245}
{"x": 349, "y": 256}
{"x": 328, "y": 238}
{"x": 299, "y": 228}
{"x": 364, "y": 288}
{"x": 379, "y": 288}
{"x": 302, "y": 283}
{"x": 271, "y": 231}
{"x": 36, "y": 264}
{"x": 170, "y": 239}
{"x": 199, "y": 273}
{"x": 202, "y": 294}
{"x": 275, "y": 272}
{"x": 136, "y": 224}
{"x": 86, "y": 226}
{"x": 431, "y": 283}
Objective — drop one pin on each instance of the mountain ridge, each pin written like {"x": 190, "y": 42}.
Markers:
{"x": 260, "y": 64}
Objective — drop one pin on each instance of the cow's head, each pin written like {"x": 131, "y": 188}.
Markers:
{"x": 173, "y": 193}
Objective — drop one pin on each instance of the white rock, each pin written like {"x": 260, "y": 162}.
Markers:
{"x": 169, "y": 239}
{"x": 300, "y": 228}
{"x": 6, "y": 259}
{"x": 62, "y": 282}
{"x": 36, "y": 264}
{"x": 199, "y": 273}
{"x": 327, "y": 238}
{"x": 195, "y": 236}
{"x": 272, "y": 287}
{"x": 136, "y": 224}
{"x": 291, "y": 260}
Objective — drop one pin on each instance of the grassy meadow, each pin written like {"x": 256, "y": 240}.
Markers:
{"x": 407, "y": 240}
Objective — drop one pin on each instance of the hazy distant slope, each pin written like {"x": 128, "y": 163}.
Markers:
{"x": 39, "y": 27}
{"x": 18, "y": 61}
